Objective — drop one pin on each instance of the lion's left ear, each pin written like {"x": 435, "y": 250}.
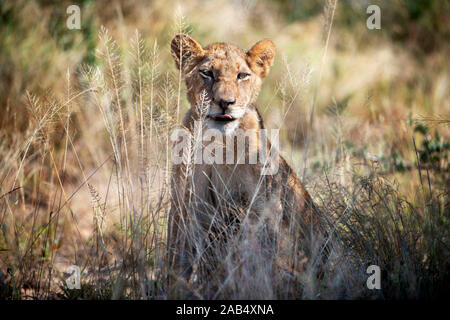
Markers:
{"x": 260, "y": 57}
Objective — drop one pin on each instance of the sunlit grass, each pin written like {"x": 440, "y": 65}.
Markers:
{"x": 85, "y": 119}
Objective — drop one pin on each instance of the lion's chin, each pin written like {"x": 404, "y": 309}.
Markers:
{"x": 226, "y": 127}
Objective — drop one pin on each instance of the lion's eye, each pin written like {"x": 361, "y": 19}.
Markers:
{"x": 243, "y": 76}
{"x": 207, "y": 74}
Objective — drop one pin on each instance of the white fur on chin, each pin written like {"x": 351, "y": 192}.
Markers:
{"x": 226, "y": 128}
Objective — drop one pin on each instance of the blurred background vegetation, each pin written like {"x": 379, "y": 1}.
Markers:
{"x": 383, "y": 102}
{"x": 381, "y": 82}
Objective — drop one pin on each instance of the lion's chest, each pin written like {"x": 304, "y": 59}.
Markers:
{"x": 236, "y": 183}
{"x": 242, "y": 187}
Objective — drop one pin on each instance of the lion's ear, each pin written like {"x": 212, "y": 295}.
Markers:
{"x": 184, "y": 48}
{"x": 260, "y": 57}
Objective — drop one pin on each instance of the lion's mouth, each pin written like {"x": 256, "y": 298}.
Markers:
{"x": 222, "y": 117}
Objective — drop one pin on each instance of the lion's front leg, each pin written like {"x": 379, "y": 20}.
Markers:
{"x": 187, "y": 223}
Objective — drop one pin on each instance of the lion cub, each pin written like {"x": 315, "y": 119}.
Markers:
{"x": 211, "y": 203}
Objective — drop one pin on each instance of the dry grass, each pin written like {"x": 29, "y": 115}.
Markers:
{"x": 85, "y": 162}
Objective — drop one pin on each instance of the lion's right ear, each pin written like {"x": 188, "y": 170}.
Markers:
{"x": 184, "y": 48}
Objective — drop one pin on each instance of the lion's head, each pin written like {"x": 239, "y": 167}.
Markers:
{"x": 230, "y": 77}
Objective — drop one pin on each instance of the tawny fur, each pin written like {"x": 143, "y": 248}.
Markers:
{"x": 280, "y": 200}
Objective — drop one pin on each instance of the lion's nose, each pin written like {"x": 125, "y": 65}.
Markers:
{"x": 225, "y": 103}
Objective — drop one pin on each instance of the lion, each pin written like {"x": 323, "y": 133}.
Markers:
{"x": 212, "y": 203}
